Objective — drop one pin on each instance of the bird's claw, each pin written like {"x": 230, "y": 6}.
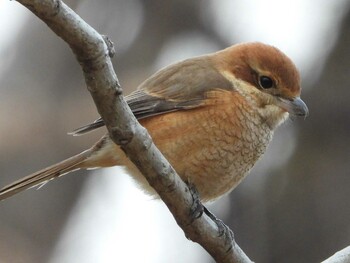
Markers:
{"x": 223, "y": 229}
{"x": 197, "y": 207}
{"x": 197, "y": 210}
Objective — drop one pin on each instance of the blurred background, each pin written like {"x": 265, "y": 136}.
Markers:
{"x": 293, "y": 207}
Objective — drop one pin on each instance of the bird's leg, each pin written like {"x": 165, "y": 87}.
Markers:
{"x": 197, "y": 210}
{"x": 197, "y": 207}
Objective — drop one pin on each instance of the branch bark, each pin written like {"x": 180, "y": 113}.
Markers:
{"x": 342, "y": 256}
{"x": 93, "y": 54}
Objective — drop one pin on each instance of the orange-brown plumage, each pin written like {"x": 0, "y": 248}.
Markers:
{"x": 266, "y": 59}
{"x": 211, "y": 116}
{"x": 204, "y": 144}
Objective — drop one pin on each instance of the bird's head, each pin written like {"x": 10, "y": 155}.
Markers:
{"x": 266, "y": 77}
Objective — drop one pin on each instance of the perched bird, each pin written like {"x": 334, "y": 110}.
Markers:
{"x": 211, "y": 116}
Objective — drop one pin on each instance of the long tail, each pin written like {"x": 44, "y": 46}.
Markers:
{"x": 43, "y": 176}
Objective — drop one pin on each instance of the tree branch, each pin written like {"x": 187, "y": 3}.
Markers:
{"x": 93, "y": 53}
{"x": 342, "y": 256}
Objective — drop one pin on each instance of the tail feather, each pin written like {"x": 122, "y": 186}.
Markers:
{"x": 45, "y": 175}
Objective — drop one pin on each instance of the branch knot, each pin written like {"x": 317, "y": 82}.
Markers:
{"x": 121, "y": 136}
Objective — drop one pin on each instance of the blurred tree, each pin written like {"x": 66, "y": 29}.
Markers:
{"x": 303, "y": 213}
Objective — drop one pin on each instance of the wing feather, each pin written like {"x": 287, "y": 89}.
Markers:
{"x": 181, "y": 86}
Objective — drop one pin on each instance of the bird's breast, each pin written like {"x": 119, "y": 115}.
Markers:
{"x": 213, "y": 146}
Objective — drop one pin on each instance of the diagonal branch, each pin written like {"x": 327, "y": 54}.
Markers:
{"x": 93, "y": 53}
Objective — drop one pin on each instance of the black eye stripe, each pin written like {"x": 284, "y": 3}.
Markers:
{"x": 265, "y": 82}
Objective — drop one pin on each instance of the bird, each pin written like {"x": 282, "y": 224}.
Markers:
{"x": 211, "y": 116}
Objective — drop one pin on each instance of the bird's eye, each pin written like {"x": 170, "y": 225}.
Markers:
{"x": 265, "y": 82}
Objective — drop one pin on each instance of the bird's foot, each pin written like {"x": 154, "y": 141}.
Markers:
{"x": 197, "y": 207}
{"x": 223, "y": 229}
{"x": 197, "y": 210}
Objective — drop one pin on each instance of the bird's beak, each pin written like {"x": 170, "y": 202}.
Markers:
{"x": 295, "y": 106}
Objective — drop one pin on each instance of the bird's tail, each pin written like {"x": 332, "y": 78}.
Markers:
{"x": 41, "y": 177}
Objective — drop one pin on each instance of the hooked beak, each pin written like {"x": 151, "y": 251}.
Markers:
{"x": 295, "y": 106}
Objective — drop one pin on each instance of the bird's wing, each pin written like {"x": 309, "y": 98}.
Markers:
{"x": 180, "y": 86}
